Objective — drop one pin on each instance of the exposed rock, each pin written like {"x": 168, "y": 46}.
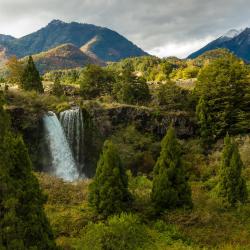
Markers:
{"x": 144, "y": 119}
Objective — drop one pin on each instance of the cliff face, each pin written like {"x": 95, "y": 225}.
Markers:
{"x": 100, "y": 123}
{"x": 31, "y": 127}
{"x": 146, "y": 120}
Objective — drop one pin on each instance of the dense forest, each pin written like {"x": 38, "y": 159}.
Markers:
{"x": 157, "y": 154}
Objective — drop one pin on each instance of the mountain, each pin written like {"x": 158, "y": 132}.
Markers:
{"x": 5, "y": 38}
{"x": 237, "y": 42}
{"x": 101, "y": 43}
{"x": 65, "y": 56}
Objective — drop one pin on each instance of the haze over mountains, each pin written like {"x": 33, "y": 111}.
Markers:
{"x": 237, "y": 41}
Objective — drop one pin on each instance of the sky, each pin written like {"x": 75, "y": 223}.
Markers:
{"x": 160, "y": 27}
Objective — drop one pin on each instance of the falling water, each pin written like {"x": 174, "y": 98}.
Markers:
{"x": 63, "y": 163}
{"x": 72, "y": 123}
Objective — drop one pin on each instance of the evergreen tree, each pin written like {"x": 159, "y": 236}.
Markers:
{"x": 23, "y": 224}
{"x": 224, "y": 85}
{"x": 170, "y": 187}
{"x": 109, "y": 191}
{"x": 95, "y": 81}
{"x": 204, "y": 121}
{"x": 232, "y": 186}
{"x": 30, "y": 79}
{"x": 57, "y": 87}
{"x": 131, "y": 89}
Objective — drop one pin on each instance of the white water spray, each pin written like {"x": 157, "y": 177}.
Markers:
{"x": 73, "y": 125}
{"x": 63, "y": 163}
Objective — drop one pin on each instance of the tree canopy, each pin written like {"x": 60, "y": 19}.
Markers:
{"x": 30, "y": 79}
{"x": 109, "y": 191}
{"x": 170, "y": 186}
{"x": 223, "y": 85}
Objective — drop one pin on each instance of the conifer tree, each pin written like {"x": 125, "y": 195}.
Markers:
{"x": 232, "y": 186}
{"x": 30, "y": 79}
{"x": 57, "y": 87}
{"x": 23, "y": 224}
{"x": 170, "y": 186}
{"x": 109, "y": 191}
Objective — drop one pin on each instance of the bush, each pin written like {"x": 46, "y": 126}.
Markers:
{"x": 124, "y": 232}
{"x": 95, "y": 81}
{"x": 173, "y": 97}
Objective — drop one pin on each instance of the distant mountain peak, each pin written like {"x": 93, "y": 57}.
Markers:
{"x": 56, "y": 22}
{"x": 232, "y": 33}
{"x": 236, "y": 41}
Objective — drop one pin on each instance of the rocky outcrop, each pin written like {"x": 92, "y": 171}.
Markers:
{"x": 100, "y": 122}
{"x": 31, "y": 127}
{"x": 146, "y": 120}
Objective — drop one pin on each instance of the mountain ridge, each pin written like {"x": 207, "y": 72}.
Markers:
{"x": 239, "y": 44}
{"x": 111, "y": 46}
{"x": 65, "y": 56}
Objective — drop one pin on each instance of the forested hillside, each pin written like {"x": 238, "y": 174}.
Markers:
{"x": 145, "y": 153}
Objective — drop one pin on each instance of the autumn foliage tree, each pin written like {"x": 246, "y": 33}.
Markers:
{"x": 15, "y": 70}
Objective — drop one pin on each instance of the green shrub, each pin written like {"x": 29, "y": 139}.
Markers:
{"x": 124, "y": 232}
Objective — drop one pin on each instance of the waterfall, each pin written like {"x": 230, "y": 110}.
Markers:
{"x": 73, "y": 125}
{"x": 63, "y": 162}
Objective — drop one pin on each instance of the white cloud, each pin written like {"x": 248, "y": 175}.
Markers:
{"x": 159, "y": 26}
{"x": 181, "y": 50}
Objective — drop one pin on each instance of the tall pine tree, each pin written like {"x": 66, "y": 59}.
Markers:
{"x": 109, "y": 193}
{"x": 23, "y": 224}
{"x": 232, "y": 186}
{"x": 30, "y": 79}
{"x": 57, "y": 88}
{"x": 170, "y": 186}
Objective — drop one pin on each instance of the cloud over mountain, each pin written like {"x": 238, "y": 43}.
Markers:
{"x": 153, "y": 25}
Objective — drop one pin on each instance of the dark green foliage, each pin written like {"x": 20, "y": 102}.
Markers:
{"x": 224, "y": 86}
{"x": 131, "y": 89}
{"x": 67, "y": 76}
{"x": 232, "y": 186}
{"x": 57, "y": 88}
{"x": 136, "y": 150}
{"x": 30, "y": 79}
{"x": 23, "y": 224}
{"x": 95, "y": 81}
{"x": 108, "y": 194}
{"x": 170, "y": 187}
{"x": 172, "y": 97}
{"x": 204, "y": 121}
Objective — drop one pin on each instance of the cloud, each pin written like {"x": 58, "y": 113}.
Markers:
{"x": 162, "y": 27}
